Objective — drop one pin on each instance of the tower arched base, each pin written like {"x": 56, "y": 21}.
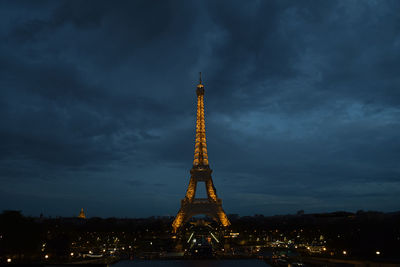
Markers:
{"x": 198, "y": 206}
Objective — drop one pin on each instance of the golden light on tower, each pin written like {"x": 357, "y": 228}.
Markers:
{"x": 200, "y": 147}
{"x": 82, "y": 214}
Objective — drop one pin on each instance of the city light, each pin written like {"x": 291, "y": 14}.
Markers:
{"x": 214, "y": 237}
{"x": 234, "y": 235}
{"x": 378, "y": 252}
{"x": 8, "y": 260}
{"x": 190, "y": 237}
{"x": 72, "y": 254}
{"x": 46, "y": 256}
{"x": 344, "y": 252}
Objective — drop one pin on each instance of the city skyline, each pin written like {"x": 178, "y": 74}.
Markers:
{"x": 98, "y": 105}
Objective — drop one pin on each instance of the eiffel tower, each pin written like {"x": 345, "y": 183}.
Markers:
{"x": 200, "y": 172}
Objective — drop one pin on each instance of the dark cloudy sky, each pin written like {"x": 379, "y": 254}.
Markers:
{"x": 97, "y": 105}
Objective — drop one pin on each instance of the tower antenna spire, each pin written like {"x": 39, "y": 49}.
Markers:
{"x": 200, "y": 76}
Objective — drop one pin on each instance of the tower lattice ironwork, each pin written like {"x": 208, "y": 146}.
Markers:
{"x": 200, "y": 172}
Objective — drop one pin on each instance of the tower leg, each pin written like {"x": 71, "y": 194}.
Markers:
{"x": 223, "y": 218}
{"x": 211, "y": 192}
{"x": 191, "y": 191}
{"x": 178, "y": 220}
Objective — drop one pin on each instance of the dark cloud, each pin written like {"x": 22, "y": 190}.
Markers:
{"x": 97, "y": 104}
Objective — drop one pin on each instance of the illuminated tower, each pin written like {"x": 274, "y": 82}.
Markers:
{"x": 82, "y": 214}
{"x": 200, "y": 172}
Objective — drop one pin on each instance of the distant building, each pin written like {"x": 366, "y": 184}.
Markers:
{"x": 82, "y": 214}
